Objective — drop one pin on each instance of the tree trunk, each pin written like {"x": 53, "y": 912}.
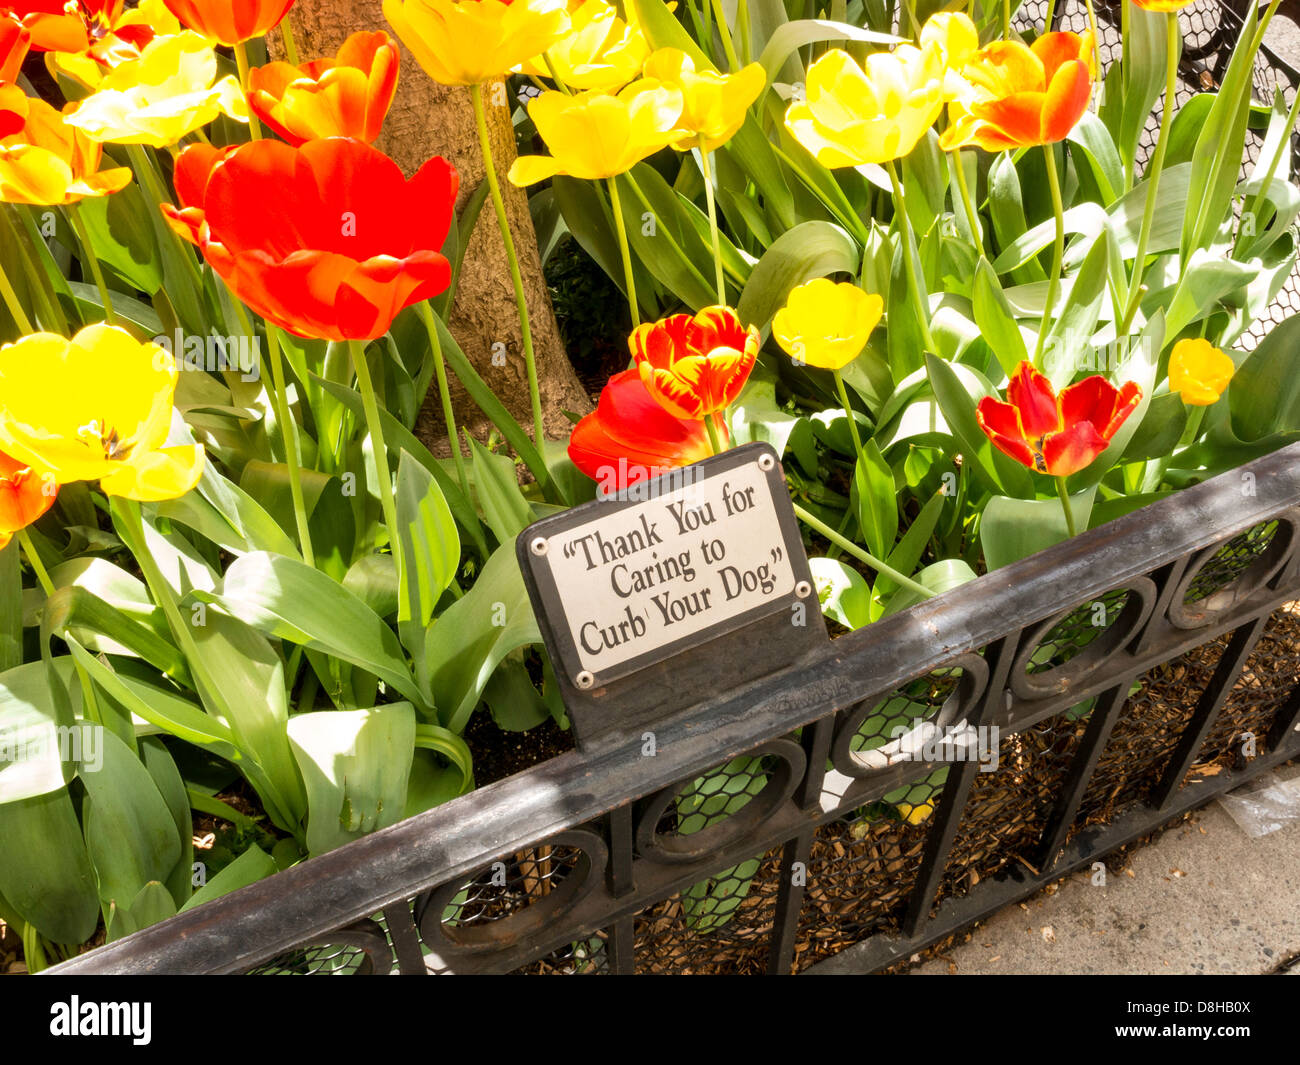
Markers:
{"x": 429, "y": 119}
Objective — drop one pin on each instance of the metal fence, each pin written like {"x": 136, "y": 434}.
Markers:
{"x": 1131, "y": 674}
{"x": 1121, "y": 679}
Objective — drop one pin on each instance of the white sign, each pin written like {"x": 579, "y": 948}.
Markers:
{"x": 634, "y": 581}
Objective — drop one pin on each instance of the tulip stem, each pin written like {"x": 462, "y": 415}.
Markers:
{"x": 628, "y": 278}
{"x": 707, "y": 167}
{"x": 289, "y": 433}
{"x": 286, "y": 38}
{"x": 1064, "y": 493}
{"x": 90, "y": 259}
{"x": 521, "y": 302}
{"x": 1058, "y": 250}
{"x": 972, "y": 219}
{"x": 848, "y": 413}
{"x": 1006, "y": 18}
{"x": 1153, "y": 172}
{"x": 370, "y": 407}
{"x": 34, "y": 559}
{"x": 14, "y": 304}
{"x": 710, "y": 426}
{"x": 909, "y": 267}
{"x": 448, "y": 413}
{"x": 241, "y": 63}
{"x": 865, "y": 557}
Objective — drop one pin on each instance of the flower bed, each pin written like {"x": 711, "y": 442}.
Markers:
{"x": 996, "y": 296}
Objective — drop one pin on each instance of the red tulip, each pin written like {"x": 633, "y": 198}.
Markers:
{"x": 328, "y": 240}
{"x": 695, "y": 365}
{"x": 1056, "y": 435}
{"x": 230, "y": 21}
{"x": 15, "y": 40}
{"x": 346, "y": 95}
{"x": 24, "y": 496}
{"x": 630, "y": 437}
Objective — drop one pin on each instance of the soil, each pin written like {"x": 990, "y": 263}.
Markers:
{"x": 499, "y": 754}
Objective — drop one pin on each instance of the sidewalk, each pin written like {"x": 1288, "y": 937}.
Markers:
{"x": 1203, "y": 898}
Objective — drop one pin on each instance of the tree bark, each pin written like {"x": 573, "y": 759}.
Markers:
{"x": 429, "y": 119}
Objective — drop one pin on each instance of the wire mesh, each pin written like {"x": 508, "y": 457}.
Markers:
{"x": 1070, "y": 636}
{"x": 720, "y": 925}
{"x": 511, "y": 885}
{"x": 323, "y": 960}
{"x": 1007, "y": 810}
{"x": 1267, "y": 679}
{"x": 1230, "y": 561}
{"x": 862, "y": 868}
{"x": 1150, "y": 724}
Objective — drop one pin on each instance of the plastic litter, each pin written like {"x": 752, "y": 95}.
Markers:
{"x": 1265, "y": 805}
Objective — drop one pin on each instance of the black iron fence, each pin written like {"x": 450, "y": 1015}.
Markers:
{"x": 1089, "y": 695}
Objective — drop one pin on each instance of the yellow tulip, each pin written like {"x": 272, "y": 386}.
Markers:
{"x": 48, "y": 162}
{"x": 468, "y": 42}
{"x": 915, "y": 813}
{"x": 170, "y": 90}
{"x": 952, "y": 38}
{"x": 601, "y": 51}
{"x": 874, "y": 114}
{"x": 827, "y": 325}
{"x": 96, "y": 407}
{"x": 713, "y": 105}
{"x": 1199, "y": 372}
{"x": 594, "y": 135}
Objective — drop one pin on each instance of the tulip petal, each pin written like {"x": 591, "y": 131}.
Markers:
{"x": 1067, "y": 100}
{"x": 1001, "y": 424}
{"x": 1031, "y": 393}
{"x": 154, "y": 476}
{"x": 1072, "y": 449}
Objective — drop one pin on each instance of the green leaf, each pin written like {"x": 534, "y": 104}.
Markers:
{"x": 1091, "y": 135}
{"x": 1069, "y": 340}
{"x": 30, "y": 729}
{"x": 794, "y": 35}
{"x": 809, "y": 250}
{"x": 1216, "y": 162}
{"x": 176, "y": 716}
{"x": 250, "y": 867}
{"x": 873, "y": 480}
{"x": 355, "y": 765}
{"x": 151, "y": 904}
{"x": 430, "y": 544}
{"x": 505, "y": 509}
{"x": 1161, "y": 429}
{"x": 475, "y": 633}
{"x": 1264, "y": 395}
{"x": 511, "y": 696}
{"x": 843, "y": 592}
{"x": 1012, "y": 529}
{"x": 938, "y": 577}
{"x": 167, "y": 779}
{"x": 11, "y": 607}
{"x": 907, "y": 555}
{"x": 996, "y": 320}
{"x": 46, "y": 875}
{"x": 121, "y": 230}
{"x": 130, "y": 832}
{"x": 290, "y": 600}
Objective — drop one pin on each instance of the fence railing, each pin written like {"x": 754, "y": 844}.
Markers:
{"x": 778, "y": 822}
